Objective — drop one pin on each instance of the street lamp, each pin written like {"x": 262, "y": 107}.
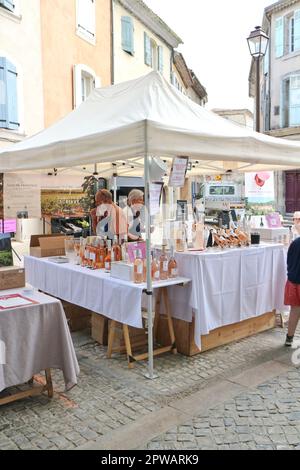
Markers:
{"x": 258, "y": 43}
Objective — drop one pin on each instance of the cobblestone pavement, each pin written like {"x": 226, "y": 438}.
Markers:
{"x": 267, "y": 417}
{"x": 109, "y": 396}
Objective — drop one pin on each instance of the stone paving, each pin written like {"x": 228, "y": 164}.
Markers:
{"x": 267, "y": 417}
{"x": 110, "y": 396}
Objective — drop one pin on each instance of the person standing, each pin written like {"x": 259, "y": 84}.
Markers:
{"x": 107, "y": 218}
{"x": 135, "y": 215}
{"x": 292, "y": 289}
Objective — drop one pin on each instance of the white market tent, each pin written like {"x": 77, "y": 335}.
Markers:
{"x": 141, "y": 118}
{"x": 146, "y": 115}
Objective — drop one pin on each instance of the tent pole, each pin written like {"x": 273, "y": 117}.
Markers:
{"x": 150, "y": 374}
{"x": 115, "y": 189}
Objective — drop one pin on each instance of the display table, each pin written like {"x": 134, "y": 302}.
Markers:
{"x": 229, "y": 286}
{"x": 92, "y": 289}
{"x": 33, "y": 338}
{"x": 121, "y": 301}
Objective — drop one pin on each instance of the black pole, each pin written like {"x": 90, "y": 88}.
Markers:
{"x": 257, "y": 94}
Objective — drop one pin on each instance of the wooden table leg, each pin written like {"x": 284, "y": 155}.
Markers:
{"x": 170, "y": 321}
{"x": 128, "y": 346}
{"x": 111, "y": 337}
{"x": 49, "y": 383}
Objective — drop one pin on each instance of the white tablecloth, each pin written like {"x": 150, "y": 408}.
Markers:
{"x": 36, "y": 337}
{"x": 95, "y": 290}
{"x": 229, "y": 286}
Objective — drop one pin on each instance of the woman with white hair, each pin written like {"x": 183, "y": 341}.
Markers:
{"x": 135, "y": 214}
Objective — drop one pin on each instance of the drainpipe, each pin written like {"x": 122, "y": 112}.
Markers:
{"x": 112, "y": 54}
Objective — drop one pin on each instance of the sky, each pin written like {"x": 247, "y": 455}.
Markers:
{"x": 214, "y": 33}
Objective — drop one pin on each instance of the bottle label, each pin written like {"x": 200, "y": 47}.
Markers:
{"x": 139, "y": 269}
{"x": 87, "y": 254}
{"x": 93, "y": 256}
{"x": 107, "y": 266}
{"x": 174, "y": 271}
{"x": 165, "y": 266}
{"x": 156, "y": 275}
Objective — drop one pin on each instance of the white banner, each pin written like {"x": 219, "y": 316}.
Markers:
{"x": 259, "y": 187}
{"x": 21, "y": 196}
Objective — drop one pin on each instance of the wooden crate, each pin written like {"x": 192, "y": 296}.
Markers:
{"x": 184, "y": 333}
{"x": 138, "y": 338}
{"x": 78, "y": 318}
{"x": 100, "y": 328}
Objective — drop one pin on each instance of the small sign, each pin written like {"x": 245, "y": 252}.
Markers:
{"x": 14, "y": 300}
{"x": 21, "y": 196}
{"x": 273, "y": 220}
{"x": 178, "y": 172}
{"x": 132, "y": 247}
{"x": 155, "y": 196}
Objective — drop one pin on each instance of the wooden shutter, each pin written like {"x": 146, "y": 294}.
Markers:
{"x": 8, "y": 4}
{"x": 127, "y": 34}
{"x": 279, "y": 37}
{"x": 12, "y": 96}
{"x": 8, "y": 95}
{"x": 147, "y": 50}
{"x": 294, "y": 101}
{"x": 3, "y": 96}
{"x": 160, "y": 59}
{"x": 297, "y": 30}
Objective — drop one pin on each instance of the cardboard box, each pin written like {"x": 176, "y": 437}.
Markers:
{"x": 47, "y": 245}
{"x": 122, "y": 270}
{"x": 279, "y": 235}
{"x": 100, "y": 328}
{"x": 12, "y": 277}
{"x": 78, "y": 318}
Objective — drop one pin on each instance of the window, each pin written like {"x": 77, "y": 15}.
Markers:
{"x": 160, "y": 65}
{"x": 86, "y": 19}
{"x": 8, "y": 95}
{"x": 84, "y": 81}
{"x": 290, "y": 101}
{"x": 294, "y": 32}
{"x": 148, "y": 50}
{"x": 127, "y": 34}
{"x": 8, "y": 4}
{"x": 279, "y": 37}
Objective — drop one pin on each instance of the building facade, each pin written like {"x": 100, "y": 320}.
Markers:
{"x": 280, "y": 89}
{"x": 21, "y": 75}
{"x": 76, "y": 45}
{"x": 186, "y": 81}
{"x": 242, "y": 117}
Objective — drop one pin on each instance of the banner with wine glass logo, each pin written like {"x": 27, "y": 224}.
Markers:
{"x": 259, "y": 187}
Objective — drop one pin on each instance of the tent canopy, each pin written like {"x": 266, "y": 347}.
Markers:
{"x": 146, "y": 116}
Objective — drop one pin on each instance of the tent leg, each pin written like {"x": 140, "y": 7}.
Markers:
{"x": 150, "y": 374}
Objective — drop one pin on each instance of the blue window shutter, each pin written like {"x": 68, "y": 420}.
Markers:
{"x": 279, "y": 37}
{"x": 127, "y": 34}
{"x": 148, "y": 50}
{"x": 12, "y": 96}
{"x": 9, "y": 4}
{"x": 3, "y": 94}
{"x": 297, "y": 30}
{"x": 160, "y": 59}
